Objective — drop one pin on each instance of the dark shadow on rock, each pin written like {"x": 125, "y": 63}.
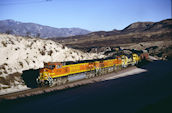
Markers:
{"x": 29, "y": 77}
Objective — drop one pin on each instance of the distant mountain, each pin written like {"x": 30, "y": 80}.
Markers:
{"x": 36, "y": 30}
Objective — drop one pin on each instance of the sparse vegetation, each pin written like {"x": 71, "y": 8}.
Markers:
{"x": 9, "y": 32}
{"x": 28, "y": 34}
{"x": 21, "y": 64}
{"x": 4, "y": 44}
{"x": 50, "y": 52}
{"x": 10, "y": 80}
{"x": 38, "y": 35}
{"x": 2, "y": 67}
{"x": 42, "y": 52}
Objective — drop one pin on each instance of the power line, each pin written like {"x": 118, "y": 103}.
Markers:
{"x": 24, "y": 2}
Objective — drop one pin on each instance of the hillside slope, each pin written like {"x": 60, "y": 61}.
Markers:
{"x": 134, "y": 33}
{"x": 139, "y": 35}
{"x": 18, "y": 54}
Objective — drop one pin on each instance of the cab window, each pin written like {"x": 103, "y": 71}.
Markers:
{"x": 58, "y": 66}
{"x": 50, "y": 66}
{"x": 46, "y": 66}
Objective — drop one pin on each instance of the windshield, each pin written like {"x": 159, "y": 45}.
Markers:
{"x": 50, "y": 66}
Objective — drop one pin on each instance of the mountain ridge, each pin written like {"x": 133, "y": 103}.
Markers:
{"x": 10, "y": 26}
{"x": 134, "y": 33}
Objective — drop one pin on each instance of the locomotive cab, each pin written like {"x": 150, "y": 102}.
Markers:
{"x": 46, "y": 73}
{"x": 135, "y": 58}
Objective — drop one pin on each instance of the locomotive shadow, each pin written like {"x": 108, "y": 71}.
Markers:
{"x": 29, "y": 77}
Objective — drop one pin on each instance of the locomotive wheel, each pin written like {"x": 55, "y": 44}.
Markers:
{"x": 92, "y": 74}
{"x": 50, "y": 81}
{"x": 98, "y": 72}
{"x": 119, "y": 67}
{"x": 115, "y": 68}
{"x": 88, "y": 74}
{"x": 103, "y": 71}
{"x": 64, "y": 80}
{"x": 59, "y": 81}
{"x": 106, "y": 70}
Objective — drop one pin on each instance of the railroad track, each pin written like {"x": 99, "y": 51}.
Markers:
{"x": 42, "y": 90}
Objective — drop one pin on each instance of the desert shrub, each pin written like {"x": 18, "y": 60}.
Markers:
{"x": 21, "y": 64}
{"x": 4, "y": 44}
{"x": 56, "y": 50}
{"x": 5, "y": 71}
{"x": 9, "y": 31}
{"x": 42, "y": 52}
{"x": 4, "y": 81}
{"x": 11, "y": 41}
{"x": 27, "y": 62}
{"x": 44, "y": 47}
{"x": 50, "y": 52}
{"x": 3, "y": 66}
{"x": 63, "y": 47}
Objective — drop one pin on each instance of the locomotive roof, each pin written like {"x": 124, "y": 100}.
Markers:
{"x": 83, "y": 61}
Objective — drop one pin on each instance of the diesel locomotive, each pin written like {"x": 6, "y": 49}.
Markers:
{"x": 58, "y": 73}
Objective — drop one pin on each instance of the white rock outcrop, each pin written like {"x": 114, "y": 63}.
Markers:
{"x": 21, "y": 53}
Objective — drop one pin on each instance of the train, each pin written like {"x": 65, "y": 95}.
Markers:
{"x": 58, "y": 73}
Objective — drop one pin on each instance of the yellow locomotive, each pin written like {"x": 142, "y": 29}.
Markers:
{"x": 62, "y": 72}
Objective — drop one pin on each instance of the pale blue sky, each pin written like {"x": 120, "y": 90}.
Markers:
{"x": 93, "y": 15}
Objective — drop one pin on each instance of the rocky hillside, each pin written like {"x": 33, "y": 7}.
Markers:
{"x": 36, "y": 30}
{"x": 136, "y": 35}
{"x": 18, "y": 54}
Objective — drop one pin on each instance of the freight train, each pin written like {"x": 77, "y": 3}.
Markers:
{"x": 58, "y": 73}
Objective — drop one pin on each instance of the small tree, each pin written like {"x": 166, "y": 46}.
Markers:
{"x": 9, "y": 32}
{"x": 38, "y": 35}
{"x": 28, "y": 34}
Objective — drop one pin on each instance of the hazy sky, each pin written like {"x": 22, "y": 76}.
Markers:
{"x": 92, "y": 15}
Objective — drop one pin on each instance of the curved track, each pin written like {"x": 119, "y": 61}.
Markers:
{"x": 41, "y": 90}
